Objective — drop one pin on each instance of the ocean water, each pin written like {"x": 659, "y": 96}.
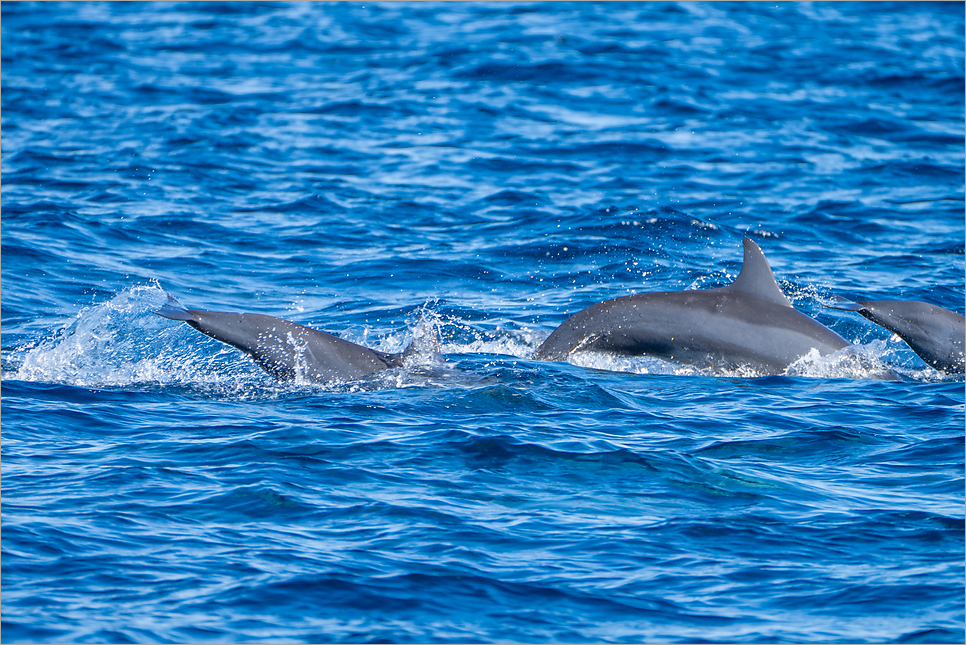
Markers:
{"x": 471, "y": 174}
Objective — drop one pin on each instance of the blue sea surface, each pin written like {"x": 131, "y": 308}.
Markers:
{"x": 472, "y": 174}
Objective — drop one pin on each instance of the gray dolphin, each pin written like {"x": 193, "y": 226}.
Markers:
{"x": 284, "y": 349}
{"x": 935, "y": 334}
{"x": 749, "y": 322}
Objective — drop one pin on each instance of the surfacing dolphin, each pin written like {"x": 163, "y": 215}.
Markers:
{"x": 747, "y": 323}
{"x": 935, "y": 334}
{"x": 284, "y": 349}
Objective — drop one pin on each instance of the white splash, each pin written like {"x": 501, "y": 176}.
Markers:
{"x": 652, "y": 365}
{"x": 853, "y": 362}
{"x": 519, "y": 344}
{"x": 122, "y": 342}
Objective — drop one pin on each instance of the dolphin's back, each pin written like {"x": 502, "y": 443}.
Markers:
{"x": 707, "y": 328}
{"x": 936, "y": 334}
{"x": 749, "y": 322}
{"x": 284, "y": 349}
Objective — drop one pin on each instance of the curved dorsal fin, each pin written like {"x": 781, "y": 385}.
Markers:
{"x": 756, "y": 278}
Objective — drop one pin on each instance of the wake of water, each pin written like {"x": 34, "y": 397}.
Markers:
{"x": 470, "y": 175}
{"x": 121, "y": 343}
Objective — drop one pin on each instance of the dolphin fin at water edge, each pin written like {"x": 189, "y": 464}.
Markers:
{"x": 747, "y": 323}
{"x": 936, "y": 334}
{"x": 284, "y": 349}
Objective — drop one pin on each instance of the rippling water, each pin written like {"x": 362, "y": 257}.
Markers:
{"x": 474, "y": 172}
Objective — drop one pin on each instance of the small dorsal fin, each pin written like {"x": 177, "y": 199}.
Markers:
{"x": 174, "y": 310}
{"x": 838, "y": 302}
{"x": 756, "y": 278}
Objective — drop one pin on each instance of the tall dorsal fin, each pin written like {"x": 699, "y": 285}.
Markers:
{"x": 756, "y": 278}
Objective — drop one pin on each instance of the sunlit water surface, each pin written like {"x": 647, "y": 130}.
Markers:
{"x": 476, "y": 173}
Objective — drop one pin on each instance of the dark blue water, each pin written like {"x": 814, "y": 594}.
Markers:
{"x": 476, "y": 172}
